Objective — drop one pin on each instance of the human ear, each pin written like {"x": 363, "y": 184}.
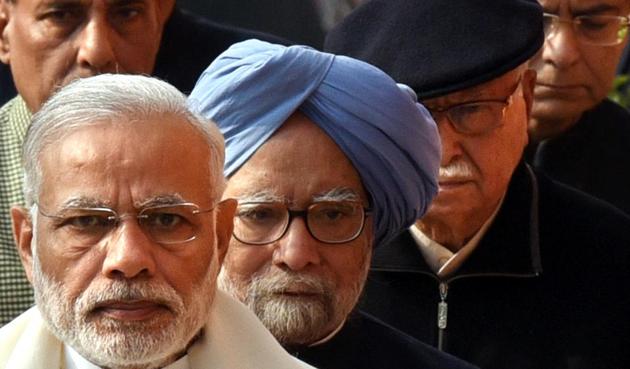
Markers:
{"x": 23, "y": 235}
{"x": 4, "y": 26}
{"x": 529, "y": 82}
{"x": 224, "y": 226}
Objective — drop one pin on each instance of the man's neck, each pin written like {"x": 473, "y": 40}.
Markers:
{"x": 454, "y": 232}
{"x": 543, "y": 129}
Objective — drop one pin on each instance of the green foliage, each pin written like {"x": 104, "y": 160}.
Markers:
{"x": 620, "y": 92}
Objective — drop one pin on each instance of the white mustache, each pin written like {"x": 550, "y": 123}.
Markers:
{"x": 457, "y": 169}
{"x": 123, "y": 291}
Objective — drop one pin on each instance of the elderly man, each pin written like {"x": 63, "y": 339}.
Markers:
{"x": 328, "y": 157}
{"x": 48, "y": 43}
{"x": 580, "y": 137}
{"x": 507, "y": 269}
{"x": 124, "y": 236}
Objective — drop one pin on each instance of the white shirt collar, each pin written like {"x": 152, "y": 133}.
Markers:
{"x": 74, "y": 360}
{"x": 329, "y": 336}
{"x": 440, "y": 259}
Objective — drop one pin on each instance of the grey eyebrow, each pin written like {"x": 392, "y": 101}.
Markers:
{"x": 84, "y": 202}
{"x": 163, "y": 199}
{"x": 92, "y": 202}
{"x": 337, "y": 194}
{"x": 262, "y": 196}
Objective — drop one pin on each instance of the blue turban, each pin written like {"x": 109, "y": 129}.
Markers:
{"x": 254, "y": 87}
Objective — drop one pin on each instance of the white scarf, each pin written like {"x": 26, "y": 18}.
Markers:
{"x": 234, "y": 339}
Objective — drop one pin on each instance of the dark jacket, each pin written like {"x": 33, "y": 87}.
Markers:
{"x": 593, "y": 155}
{"x": 189, "y": 44}
{"x": 546, "y": 288}
{"x": 364, "y": 342}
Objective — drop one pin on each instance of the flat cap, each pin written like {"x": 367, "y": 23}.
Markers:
{"x": 441, "y": 46}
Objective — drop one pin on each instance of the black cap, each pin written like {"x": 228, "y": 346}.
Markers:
{"x": 441, "y": 46}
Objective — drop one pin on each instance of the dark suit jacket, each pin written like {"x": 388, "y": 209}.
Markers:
{"x": 189, "y": 44}
{"x": 546, "y": 288}
{"x": 365, "y": 343}
{"x": 593, "y": 155}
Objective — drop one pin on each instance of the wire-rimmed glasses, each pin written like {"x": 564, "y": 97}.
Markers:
{"x": 476, "y": 117}
{"x": 603, "y": 30}
{"x": 164, "y": 224}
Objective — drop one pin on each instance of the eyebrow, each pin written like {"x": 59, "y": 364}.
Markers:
{"x": 92, "y": 202}
{"x": 60, "y": 5}
{"x": 262, "y": 196}
{"x": 337, "y": 194}
{"x": 85, "y": 3}
{"x": 596, "y": 9}
{"x": 62, "y": 2}
{"x": 123, "y": 3}
{"x": 84, "y": 202}
{"x": 162, "y": 199}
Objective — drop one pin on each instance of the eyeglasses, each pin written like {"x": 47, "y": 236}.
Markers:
{"x": 476, "y": 117}
{"x": 164, "y": 224}
{"x": 334, "y": 222}
{"x": 603, "y": 30}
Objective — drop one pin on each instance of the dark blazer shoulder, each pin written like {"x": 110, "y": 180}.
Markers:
{"x": 191, "y": 42}
{"x": 578, "y": 211}
{"x": 368, "y": 343}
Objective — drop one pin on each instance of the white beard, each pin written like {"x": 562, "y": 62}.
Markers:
{"x": 111, "y": 343}
{"x": 295, "y": 320}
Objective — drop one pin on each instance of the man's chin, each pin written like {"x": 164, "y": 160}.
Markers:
{"x": 104, "y": 324}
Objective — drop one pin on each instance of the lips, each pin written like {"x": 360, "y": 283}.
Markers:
{"x": 558, "y": 90}
{"x": 298, "y": 290}
{"x": 130, "y": 310}
{"x": 454, "y": 181}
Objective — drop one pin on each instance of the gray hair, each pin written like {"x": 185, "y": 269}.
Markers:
{"x": 109, "y": 98}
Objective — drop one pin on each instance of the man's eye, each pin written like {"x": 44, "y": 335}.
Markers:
{"x": 165, "y": 220}
{"x": 335, "y": 213}
{"x": 87, "y": 222}
{"x": 61, "y": 16}
{"x": 127, "y": 13}
{"x": 594, "y": 24}
{"x": 468, "y": 109}
{"x": 258, "y": 214}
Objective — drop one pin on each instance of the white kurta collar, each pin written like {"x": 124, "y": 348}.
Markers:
{"x": 233, "y": 338}
{"x": 74, "y": 360}
{"x": 442, "y": 261}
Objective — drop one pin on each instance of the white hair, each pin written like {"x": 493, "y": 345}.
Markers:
{"x": 119, "y": 98}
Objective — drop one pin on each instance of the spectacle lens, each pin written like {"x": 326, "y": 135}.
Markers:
{"x": 603, "y": 30}
{"x": 476, "y": 117}
{"x": 259, "y": 223}
{"x": 164, "y": 224}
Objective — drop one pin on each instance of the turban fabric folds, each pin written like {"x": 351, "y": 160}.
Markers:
{"x": 254, "y": 87}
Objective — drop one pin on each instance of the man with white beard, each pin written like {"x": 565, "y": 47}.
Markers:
{"x": 328, "y": 158}
{"x": 507, "y": 269}
{"x": 124, "y": 236}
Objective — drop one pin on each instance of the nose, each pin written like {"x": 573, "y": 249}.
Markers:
{"x": 297, "y": 250}
{"x": 96, "y": 46}
{"x": 451, "y": 145}
{"x": 130, "y": 253}
{"x": 561, "y": 46}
